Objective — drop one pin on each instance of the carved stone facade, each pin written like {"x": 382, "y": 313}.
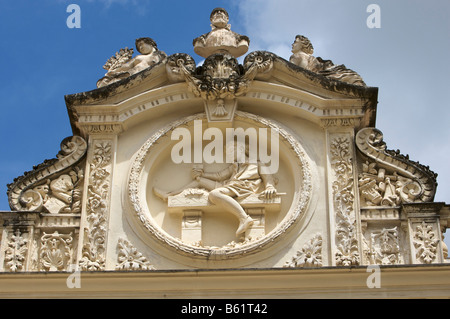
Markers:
{"x": 146, "y": 183}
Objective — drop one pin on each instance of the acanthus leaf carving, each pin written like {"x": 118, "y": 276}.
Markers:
{"x": 309, "y": 256}
{"x": 425, "y": 242}
{"x": 16, "y": 251}
{"x": 343, "y": 198}
{"x": 129, "y": 258}
{"x": 93, "y": 251}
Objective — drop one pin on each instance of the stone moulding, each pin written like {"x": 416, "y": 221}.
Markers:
{"x": 134, "y": 203}
{"x": 420, "y": 184}
{"x": 21, "y": 194}
{"x": 258, "y": 66}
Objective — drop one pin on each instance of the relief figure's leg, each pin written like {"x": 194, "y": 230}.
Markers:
{"x": 200, "y": 182}
{"x": 223, "y": 197}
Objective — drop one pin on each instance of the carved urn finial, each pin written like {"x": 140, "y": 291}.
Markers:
{"x": 221, "y": 39}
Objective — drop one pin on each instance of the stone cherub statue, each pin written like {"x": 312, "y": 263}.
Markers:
{"x": 122, "y": 65}
{"x": 302, "y": 50}
{"x": 221, "y": 39}
{"x": 230, "y": 185}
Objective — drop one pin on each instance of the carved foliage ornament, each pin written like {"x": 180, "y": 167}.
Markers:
{"x": 426, "y": 242}
{"x": 309, "y": 256}
{"x": 221, "y": 76}
{"x": 53, "y": 186}
{"x": 16, "y": 251}
{"x": 389, "y": 178}
{"x": 343, "y": 199}
{"x": 130, "y": 258}
{"x": 93, "y": 251}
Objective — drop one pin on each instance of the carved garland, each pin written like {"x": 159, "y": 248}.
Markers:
{"x": 343, "y": 198}
{"x": 93, "y": 251}
{"x": 302, "y": 200}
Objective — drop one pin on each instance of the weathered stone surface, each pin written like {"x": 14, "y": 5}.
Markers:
{"x": 141, "y": 185}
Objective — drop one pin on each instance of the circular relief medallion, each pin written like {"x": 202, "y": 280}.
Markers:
{"x": 212, "y": 192}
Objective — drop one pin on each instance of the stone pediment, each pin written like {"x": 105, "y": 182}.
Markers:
{"x": 147, "y": 182}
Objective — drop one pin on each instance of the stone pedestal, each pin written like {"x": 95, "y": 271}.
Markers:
{"x": 191, "y": 226}
{"x": 258, "y": 229}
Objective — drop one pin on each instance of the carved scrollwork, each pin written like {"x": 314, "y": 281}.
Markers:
{"x": 178, "y": 64}
{"x": 222, "y": 77}
{"x": 390, "y": 178}
{"x": 54, "y": 185}
{"x": 260, "y": 61}
{"x": 56, "y": 251}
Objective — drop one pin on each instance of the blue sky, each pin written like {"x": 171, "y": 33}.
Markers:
{"x": 43, "y": 60}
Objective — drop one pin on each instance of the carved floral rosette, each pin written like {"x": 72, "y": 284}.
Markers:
{"x": 309, "y": 256}
{"x": 138, "y": 212}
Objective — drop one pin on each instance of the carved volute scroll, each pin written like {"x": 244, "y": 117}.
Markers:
{"x": 389, "y": 178}
{"x": 221, "y": 76}
{"x": 52, "y": 186}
